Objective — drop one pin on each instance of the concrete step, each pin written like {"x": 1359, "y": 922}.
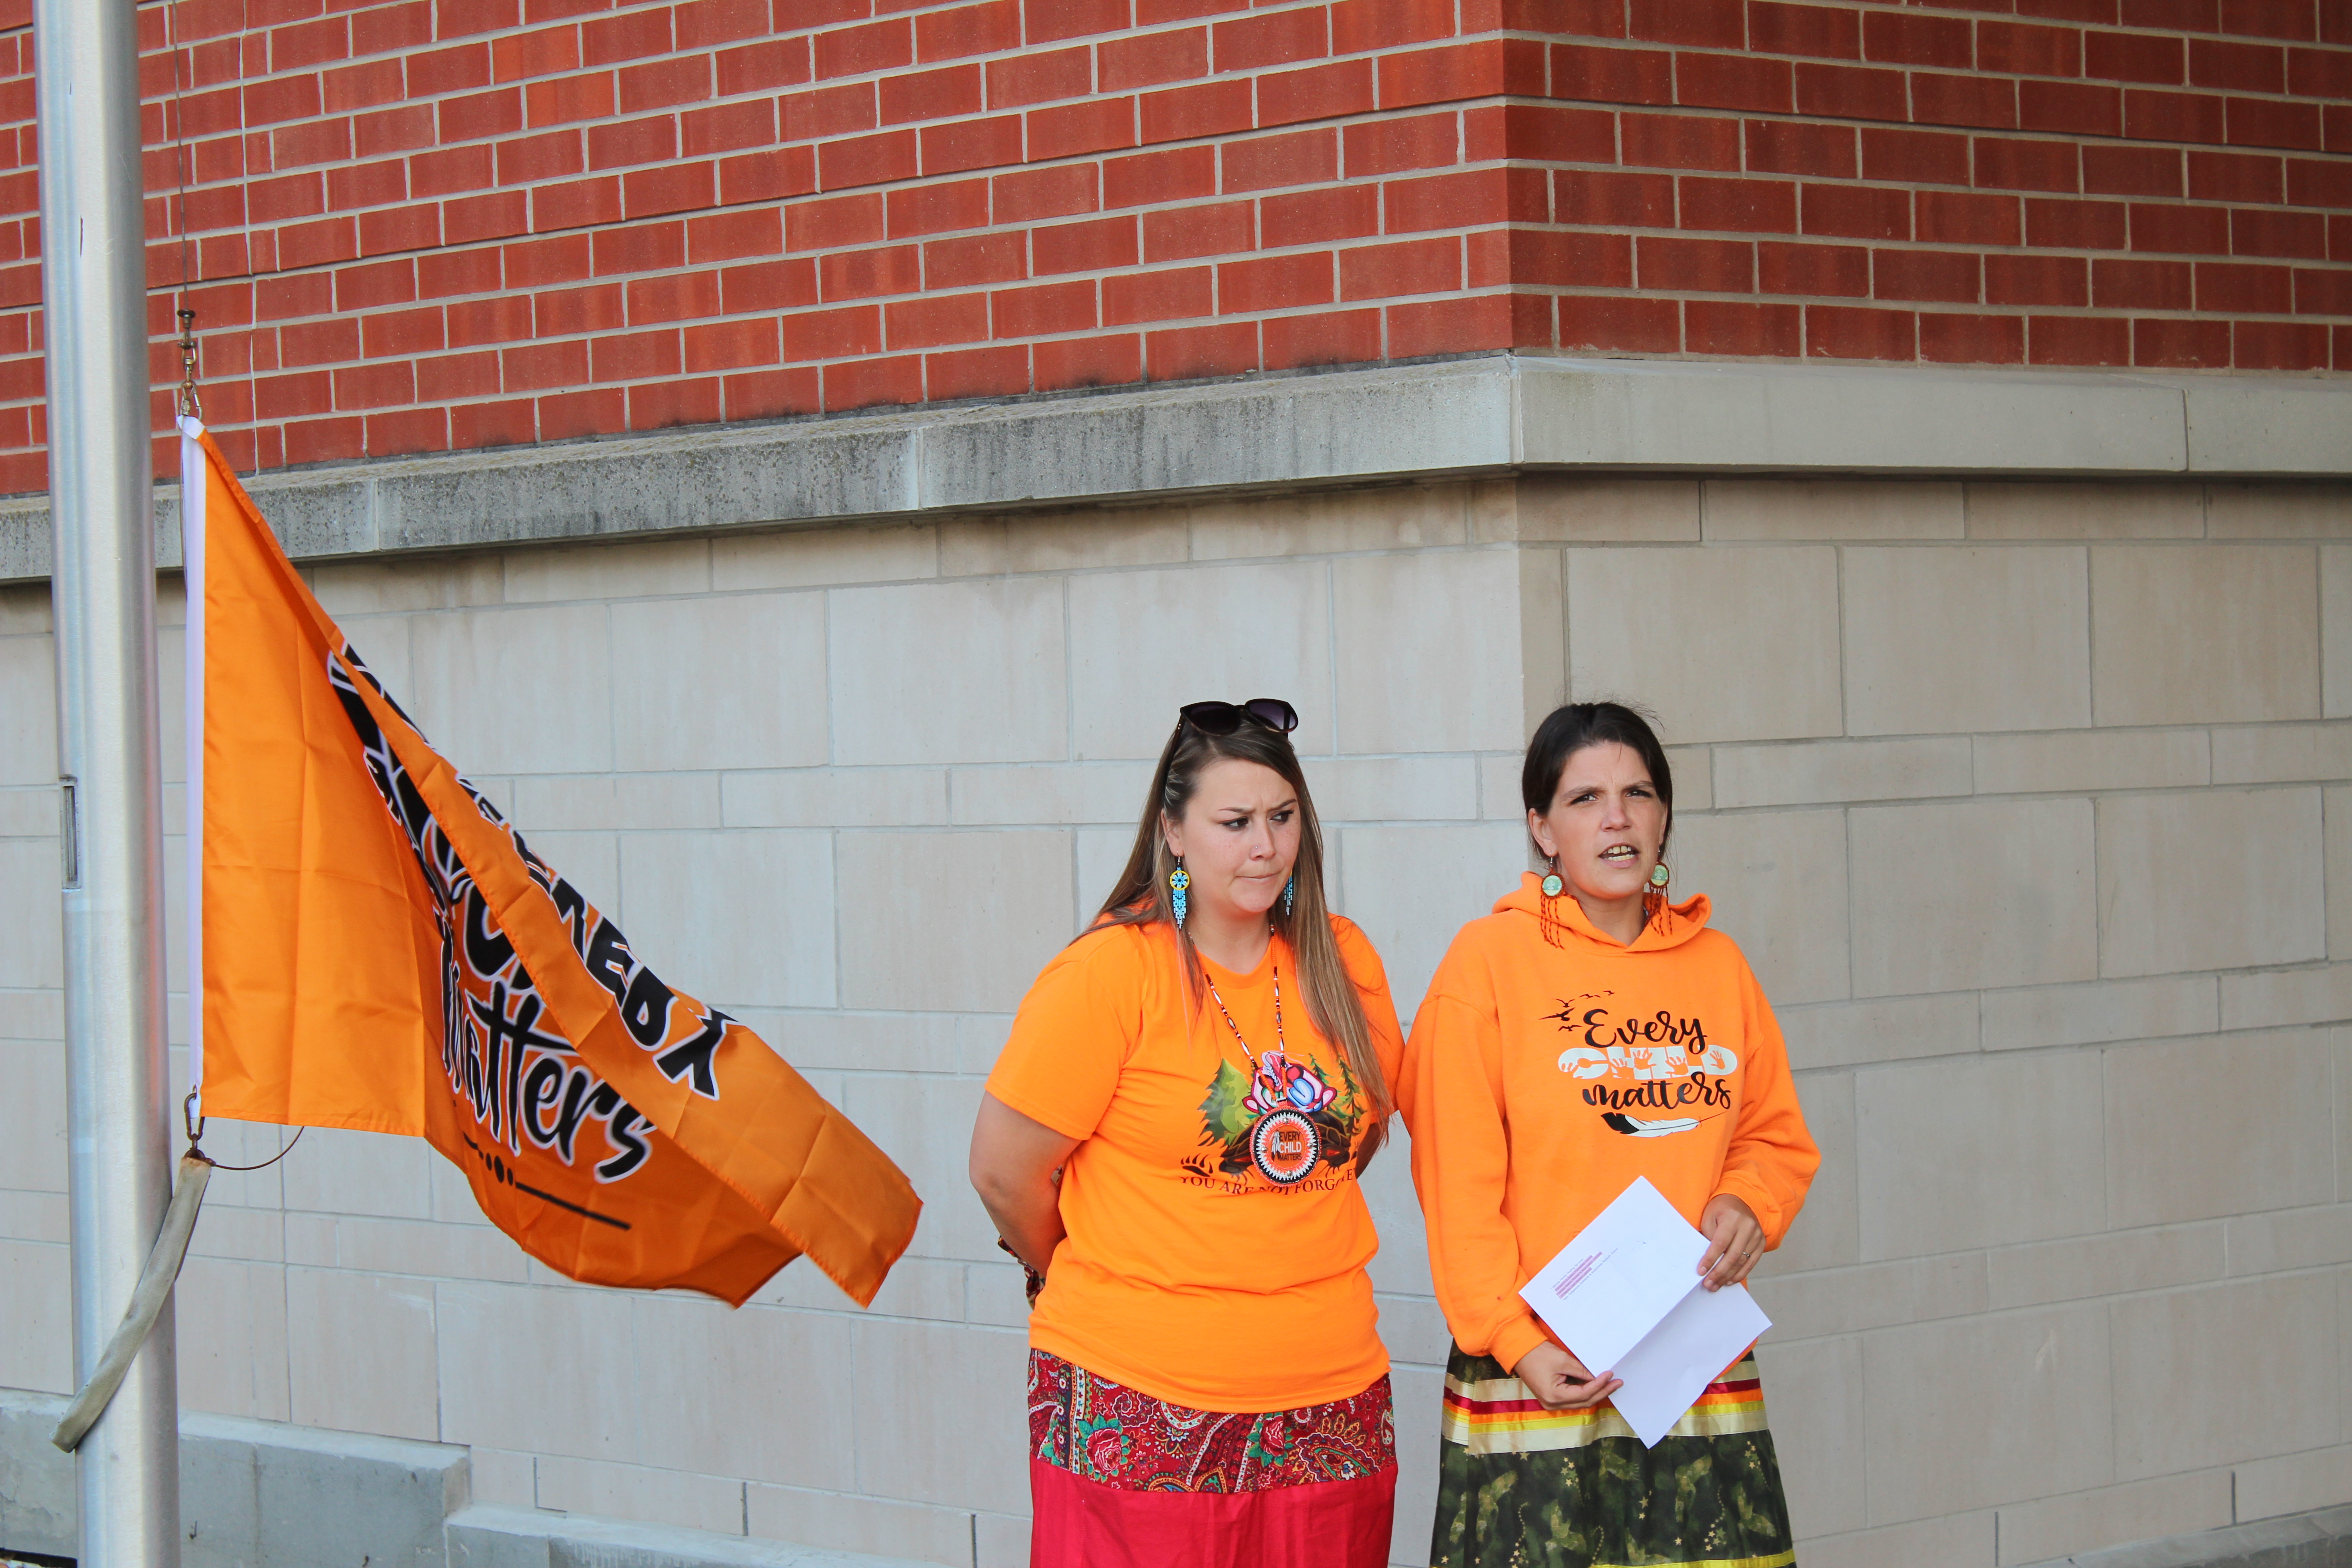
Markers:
{"x": 532, "y": 1538}
{"x": 264, "y": 1494}
{"x": 2322, "y": 1539}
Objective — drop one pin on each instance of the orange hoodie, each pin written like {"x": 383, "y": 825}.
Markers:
{"x": 1541, "y": 1080}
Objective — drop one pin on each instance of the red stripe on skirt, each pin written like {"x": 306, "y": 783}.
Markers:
{"x": 1081, "y": 1523}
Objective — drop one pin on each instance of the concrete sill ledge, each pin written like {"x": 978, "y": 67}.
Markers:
{"x": 2319, "y": 1540}
{"x": 1491, "y": 414}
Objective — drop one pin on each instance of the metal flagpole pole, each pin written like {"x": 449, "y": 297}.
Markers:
{"x": 101, "y": 505}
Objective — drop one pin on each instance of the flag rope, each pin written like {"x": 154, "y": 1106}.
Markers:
{"x": 195, "y": 481}
{"x": 155, "y": 1282}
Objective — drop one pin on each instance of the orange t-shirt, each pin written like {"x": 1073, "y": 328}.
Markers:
{"x": 1217, "y": 1238}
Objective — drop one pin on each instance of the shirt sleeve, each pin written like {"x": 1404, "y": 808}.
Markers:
{"x": 1770, "y": 1162}
{"x": 1451, "y": 1093}
{"x": 1075, "y": 1029}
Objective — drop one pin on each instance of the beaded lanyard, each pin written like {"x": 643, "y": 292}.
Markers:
{"x": 1281, "y": 1048}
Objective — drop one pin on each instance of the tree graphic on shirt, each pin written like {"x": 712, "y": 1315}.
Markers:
{"x": 1227, "y": 1119}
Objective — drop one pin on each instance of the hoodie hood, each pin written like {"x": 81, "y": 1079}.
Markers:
{"x": 1676, "y": 925}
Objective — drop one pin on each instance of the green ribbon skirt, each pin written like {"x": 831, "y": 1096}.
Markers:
{"x": 1521, "y": 1486}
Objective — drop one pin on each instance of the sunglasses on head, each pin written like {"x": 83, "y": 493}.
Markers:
{"x": 1225, "y": 718}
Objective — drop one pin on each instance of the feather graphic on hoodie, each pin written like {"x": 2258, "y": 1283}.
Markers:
{"x": 1634, "y": 1127}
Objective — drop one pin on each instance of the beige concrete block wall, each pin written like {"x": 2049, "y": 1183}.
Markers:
{"x": 2028, "y": 802}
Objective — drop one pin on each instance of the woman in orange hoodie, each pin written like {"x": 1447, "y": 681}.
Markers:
{"x": 1169, "y": 1142}
{"x": 1585, "y": 1033}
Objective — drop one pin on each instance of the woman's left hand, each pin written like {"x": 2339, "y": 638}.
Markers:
{"x": 1735, "y": 1239}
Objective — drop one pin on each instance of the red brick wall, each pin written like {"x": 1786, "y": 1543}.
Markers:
{"x": 458, "y": 223}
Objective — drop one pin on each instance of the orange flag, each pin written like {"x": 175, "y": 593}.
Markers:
{"x": 376, "y": 947}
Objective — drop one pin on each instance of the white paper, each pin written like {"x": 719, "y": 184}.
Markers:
{"x": 1666, "y": 1372}
{"x": 1624, "y": 1297}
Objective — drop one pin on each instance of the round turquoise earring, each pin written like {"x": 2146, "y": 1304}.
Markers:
{"x": 1551, "y": 882}
{"x": 1660, "y": 876}
{"x": 1178, "y": 880}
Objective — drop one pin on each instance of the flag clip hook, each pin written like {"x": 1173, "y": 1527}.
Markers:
{"x": 195, "y": 1122}
{"x": 189, "y": 405}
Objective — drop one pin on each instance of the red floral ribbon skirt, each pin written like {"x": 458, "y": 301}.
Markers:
{"x": 1117, "y": 1476}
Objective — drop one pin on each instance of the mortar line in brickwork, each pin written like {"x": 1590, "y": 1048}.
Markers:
{"x": 1989, "y": 136}
{"x": 1357, "y": 243}
{"x": 1663, "y": 109}
{"x": 2286, "y": 90}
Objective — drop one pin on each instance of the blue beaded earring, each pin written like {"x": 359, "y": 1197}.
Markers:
{"x": 1178, "y": 880}
{"x": 1290, "y": 894}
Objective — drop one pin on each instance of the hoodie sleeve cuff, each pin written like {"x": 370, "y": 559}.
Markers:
{"x": 1515, "y": 1338}
{"x": 1751, "y": 1191}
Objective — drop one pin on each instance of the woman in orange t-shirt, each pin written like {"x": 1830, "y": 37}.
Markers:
{"x": 1169, "y": 1143}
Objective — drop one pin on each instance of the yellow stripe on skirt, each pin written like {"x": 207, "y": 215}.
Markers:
{"x": 1499, "y": 1415}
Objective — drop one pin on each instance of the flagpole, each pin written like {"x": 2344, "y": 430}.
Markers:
{"x": 101, "y": 505}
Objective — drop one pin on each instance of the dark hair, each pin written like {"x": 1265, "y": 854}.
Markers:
{"x": 1567, "y": 731}
{"x": 1141, "y": 898}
